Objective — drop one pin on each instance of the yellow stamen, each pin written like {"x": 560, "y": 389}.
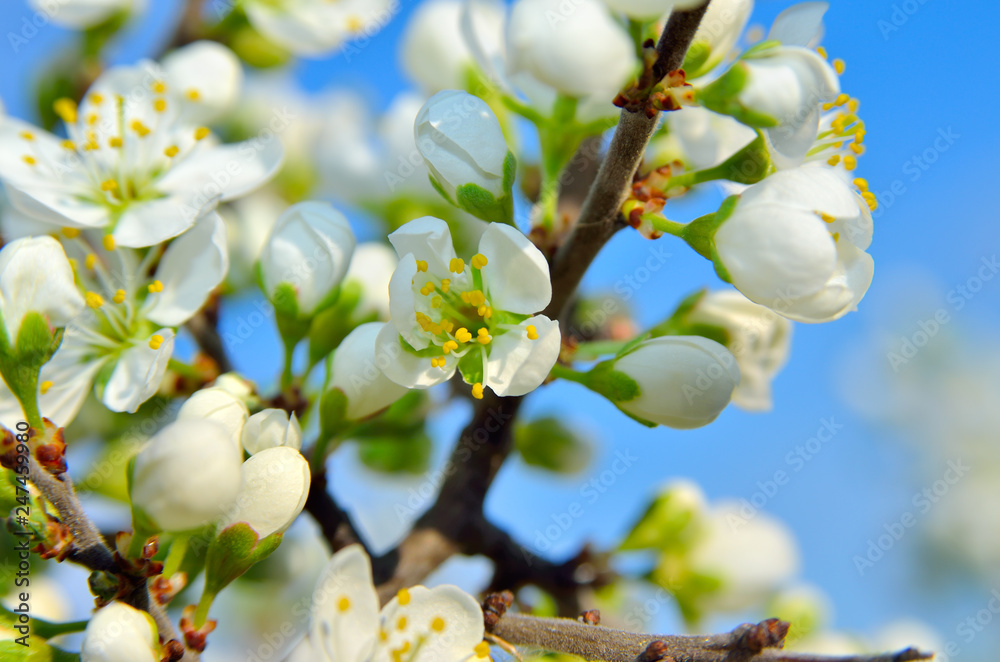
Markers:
{"x": 344, "y": 604}
{"x": 853, "y": 105}
{"x": 839, "y": 66}
{"x": 201, "y": 132}
{"x": 436, "y": 302}
{"x": 449, "y": 346}
{"x": 828, "y": 106}
{"x": 437, "y": 624}
{"x": 90, "y": 261}
{"x": 140, "y": 128}
{"x": 171, "y": 151}
{"x": 447, "y": 326}
{"x": 857, "y": 148}
{"x": 354, "y": 23}
{"x": 437, "y": 362}
{"x": 159, "y": 87}
{"x": 478, "y": 261}
{"x": 427, "y": 288}
{"x": 834, "y": 160}
{"x": 401, "y": 623}
{"x": 826, "y": 217}
{"x": 45, "y": 386}
{"x": 463, "y": 335}
{"x": 484, "y": 337}
{"x": 65, "y": 108}
{"x": 822, "y": 52}
{"x": 119, "y": 296}
{"x": 109, "y": 242}
{"x": 160, "y": 105}
{"x": 71, "y": 233}
{"x": 861, "y": 183}
{"x": 92, "y": 119}
{"x": 421, "y": 265}
{"x": 842, "y": 98}
{"x": 155, "y": 341}
{"x": 445, "y": 285}
{"x": 28, "y": 135}
{"x": 532, "y": 332}
{"x": 115, "y": 141}
{"x": 193, "y": 94}
{"x": 109, "y": 185}
{"x": 94, "y": 300}
{"x": 30, "y": 160}
{"x": 477, "y": 391}
{"x": 836, "y": 236}
{"x": 850, "y": 163}
{"x": 69, "y": 144}
{"x": 155, "y": 286}
{"x": 403, "y": 596}
{"x": 457, "y": 265}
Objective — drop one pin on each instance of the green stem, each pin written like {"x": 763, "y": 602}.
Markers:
{"x": 567, "y": 373}
{"x": 287, "y": 376}
{"x": 201, "y": 613}
{"x": 599, "y": 348}
{"x": 325, "y": 445}
{"x": 136, "y": 544}
{"x": 183, "y": 369}
{"x": 665, "y": 225}
{"x": 175, "y": 556}
{"x": 29, "y": 402}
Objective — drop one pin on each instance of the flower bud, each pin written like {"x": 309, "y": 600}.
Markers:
{"x": 718, "y": 32}
{"x": 187, "y": 476}
{"x": 357, "y": 373}
{"x": 464, "y": 149}
{"x": 371, "y": 270}
{"x": 271, "y": 428}
{"x": 679, "y": 381}
{"x": 305, "y": 258}
{"x": 650, "y": 9}
{"x": 117, "y": 633}
{"x": 274, "y": 491}
{"x": 218, "y": 405}
{"x": 80, "y": 14}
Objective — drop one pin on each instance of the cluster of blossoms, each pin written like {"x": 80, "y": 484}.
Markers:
{"x": 120, "y": 229}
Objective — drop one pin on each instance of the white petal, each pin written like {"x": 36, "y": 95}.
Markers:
{"x": 218, "y": 405}
{"x": 427, "y": 238}
{"x": 211, "y": 70}
{"x": 344, "y": 616}
{"x": 72, "y": 373}
{"x": 304, "y": 651}
{"x": 456, "y": 612}
{"x": 273, "y": 493}
{"x": 138, "y": 373}
{"x": 228, "y": 171}
{"x": 799, "y": 25}
{"x": 842, "y": 293}
{"x": 516, "y": 272}
{"x": 791, "y": 142}
{"x": 79, "y": 14}
{"x": 409, "y": 370}
{"x": 57, "y": 207}
{"x": 356, "y": 371}
{"x": 301, "y": 29}
{"x": 35, "y": 275}
{"x": 518, "y": 365}
{"x": 192, "y": 267}
{"x": 150, "y": 223}
{"x": 402, "y": 302}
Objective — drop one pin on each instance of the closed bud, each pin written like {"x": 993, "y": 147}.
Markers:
{"x": 464, "y": 149}
{"x": 718, "y": 32}
{"x": 357, "y": 372}
{"x": 271, "y": 428}
{"x": 651, "y": 9}
{"x": 187, "y": 476}
{"x": 274, "y": 491}
{"x": 305, "y": 258}
{"x": 119, "y": 633}
{"x": 220, "y": 406}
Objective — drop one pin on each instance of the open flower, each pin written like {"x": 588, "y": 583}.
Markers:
{"x": 475, "y": 317}
{"x": 796, "y": 243}
{"x": 442, "y": 624}
{"x": 317, "y": 27}
{"x": 119, "y": 632}
{"x": 135, "y": 165}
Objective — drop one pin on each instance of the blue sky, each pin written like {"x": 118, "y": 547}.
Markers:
{"x": 929, "y": 99}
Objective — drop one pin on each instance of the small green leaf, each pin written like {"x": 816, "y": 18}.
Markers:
{"x": 479, "y": 202}
{"x": 548, "y": 444}
{"x": 234, "y": 551}
{"x": 396, "y": 454}
{"x": 332, "y": 413}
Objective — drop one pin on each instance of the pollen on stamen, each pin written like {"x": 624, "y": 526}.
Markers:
{"x": 119, "y": 296}
{"x": 839, "y": 66}
{"x": 30, "y": 160}
{"x": 28, "y": 135}
{"x": 159, "y": 87}
{"x": 354, "y": 23}
{"x": 479, "y": 261}
{"x": 65, "y": 108}
{"x": 437, "y": 302}
{"x": 457, "y": 265}
{"x": 850, "y": 162}
{"x": 437, "y": 624}
{"x": 861, "y": 183}
{"x": 69, "y": 144}
{"x": 826, "y": 217}
{"x": 201, "y": 133}
{"x": 141, "y": 129}
{"x": 71, "y": 233}
{"x": 171, "y": 151}
{"x": 401, "y": 623}
{"x": 463, "y": 335}
{"x": 421, "y": 265}
{"x": 193, "y": 94}
{"x": 445, "y": 285}
{"x": 93, "y": 299}
{"x": 834, "y": 160}
{"x": 449, "y": 346}
{"x": 45, "y": 386}
{"x": 90, "y": 261}
{"x": 427, "y": 288}
{"x": 155, "y": 341}
{"x": 115, "y": 142}
{"x": 344, "y": 604}
{"x": 477, "y": 391}
{"x": 92, "y": 119}
{"x": 532, "y": 332}
{"x": 821, "y": 51}
{"x": 155, "y": 286}
{"x": 109, "y": 185}
{"x": 108, "y": 242}
{"x": 437, "y": 362}
{"x": 160, "y": 105}
{"x": 484, "y": 337}
{"x": 403, "y": 596}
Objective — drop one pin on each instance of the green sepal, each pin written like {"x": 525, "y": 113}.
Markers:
{"x": 700, "y": 234}
{"x": 697, "y": 57}
{"x": 36, "y": 652}
{"x": 234, "y": 551}
{"x": 749, "y": 165}
{"x": 613, "y": 384}
{"x": 291, "y": 326}
{"x": 479, "y": 202}
{"x": 674, "y": 325}
{"x": 330, "y": 326}
{"x": 332, "y": 413}
{"x": 255, "y": 49}
{"x": 36, "y": 343}
{"x": 722, "y": 96}
{"x": 440, "y": 189}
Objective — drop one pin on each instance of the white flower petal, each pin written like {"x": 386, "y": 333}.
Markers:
{"x": 799, "y": 25}
{"x": 842, "y": 293}
{"x": 409, "y": 370}
{"x": 192, "y": 267}
{"x": 79, "y": 14}
{"x": 344, "y": 616}
{"x": 57, "y": 207}
{"x": 446, "y": 621}
{"x": 402, "y": 302}
{"x": 516, "y": 272}
{"x": 209, "y": 69}
{"x": 273, "y": 493}
{"x": 228, "y": 171}
{"x": 72, "y": 374}
{"x": 428, "y": 239}
{"x": 357, "y": 371}
{"x": 138, "y": 373}
{"x": 218, "y": 405}
{"x": 35, "y": 276}
{"x": 153, "y": 222}
{"x": 518, "y": 365}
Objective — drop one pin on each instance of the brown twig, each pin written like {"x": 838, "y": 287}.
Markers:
{"x": 203, "y": 326}
{"x": 335, "y": 524}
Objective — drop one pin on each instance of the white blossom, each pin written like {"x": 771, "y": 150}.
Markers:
{"x": 371, "y": 270}
{"x": 719, "y": 30}
{"x": 309, "y": 250}
{"x": 317, "y": 27}
{"x": 219, "y": 406}
{"x": 271, "y": 428}
{"x": 83, "y": 14}
{"x": 187, "y": 475}
{"x": 120, "y": 633}
{"x": 443, "y": 624}
{"x": 447, "y": 315}
{"x": 35, "y": 276}
{"x": 650, "y": 9}
{"x": 357, "y": 372}
{"x": 134, "y": 165}
{"x": 796, "y": 242}
{"x": 273, "y": 493}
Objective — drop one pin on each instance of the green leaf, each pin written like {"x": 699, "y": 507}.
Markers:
{"x": 396, "y": 454}
{"x": 332, "y": 413}
{"x": 548, "y": 444}
{"x": 37, "y": 651}
{"x": 671, "y": 522}
{"x": 482, "y": 204}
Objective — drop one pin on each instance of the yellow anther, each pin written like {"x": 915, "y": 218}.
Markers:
{"x": 193, "y": 94}
{"x": 344, "y": 604}
{"x": 857, "y": 148}
{"x": 141, "y": 129}
{"x": 477, "y": 391}
{"x": 853, "y": 105}
{"x": 403, "y": 596}
{"x": 159, "y": 87}
{"x": 436, "y": 302}
{"x": 427, "y": 288}
{"x": 842, "y": 98}
{"x": 859, "y": 136}
{"x": 90, "y": 261}
{"x": 160, "y": 105}
{"x": 449, "y": 346}
{"x": 383, "y": 635}
{"x": 421, "y": 265}
{"x": 437, "y": 362}
{"x": 45, "y": 386}
{"x": 171, "y": 151}
{"x": 850, "y": 162}
{"x": 821, "y": 51}
{"x": 30, "y": 160}
{"x": 834, "y": 160}
{"x": 438, "y": 623}
{"x": 65, "y": 108}
{"x": 401, "y": 623}
{"x": 115, "y": 142}
{"x": 447, "y": 326}
{"x": 28, "y": 135}
{"x": 861, "y": 183}
{"x": 108, "y": 242}
{"x": 97, "y": 98}
{"x": 478, "y": 261}
{"x": 828, "y": 106}
{"x": 354, "y": 23}
{"x": 109, "y": 185}
{"x": 484, "y": 339}
{"x": 839, "y": 66}
{"x": 457, "y": 265}
{"x": 155, "y": 286}
{"x": 93, "y": 299}
{"x": 463, "y": 335}
{"x": 532, "y": 332}
{"x": 92, "y": 119}
{"x": 445, "y": 285}
{"x": 488, "y": 313}
{"x": 836, "y": 236}
{"x": 201, "y": 133}
{"x": 826, "y": 217}
{"x": 872, "y": 202}
{"x": 155, "y": 341}
{"x": 71, "y": 233}
{"x": 69, "y": 144}
{"x": 119, "y": 296}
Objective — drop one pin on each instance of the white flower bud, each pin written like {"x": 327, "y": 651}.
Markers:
{"x": 719, "y": 30}
{"x": 35, "y": 276}
{"x": 650, "y": 9}
{"x": 187, "y": 476}
{"x": 218, "y": 405}
{"x": 234, "y": 384}
{"x": 371, "y": 268}
{"x": 308, "y": 251}
{"x": 463, "y": 146}
{"x": 796, "y": 242}
{"x": 575, "y": 47}
{"x": 119, "y": 633}
{"x": 357, "y": 371}
{"x": 274, "y": 491}
{"x": 683, "y": 381}
{"x": 759, "y": 338}
{"x": 271, "y": 428}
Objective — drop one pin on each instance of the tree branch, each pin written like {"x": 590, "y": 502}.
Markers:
{"x": 746, "y": 643}
{"x": 335, "y": 524}
{"x": 203, "y": 326}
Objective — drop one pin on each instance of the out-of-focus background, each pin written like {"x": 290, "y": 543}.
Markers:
{"x": 886, "y": 423}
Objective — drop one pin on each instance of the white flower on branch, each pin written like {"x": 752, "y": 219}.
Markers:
{"x": 83, "y": 14}
{"x": 357, "y": 372}
{"x": 443, "y": 624}
{"x": 136, "y": 165}
{"x": 718, "y": 32}
{"x": 273, "y": 493}
{"x": 118, "y": 632}
{"x": 477, "y": 317}
{"x": 796, "y": 243}
{"x": 318, "y": 27}
{"x": 650, "y": 9}
{"x": 219, "y": 406}
{"x": 271, "y": 428}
